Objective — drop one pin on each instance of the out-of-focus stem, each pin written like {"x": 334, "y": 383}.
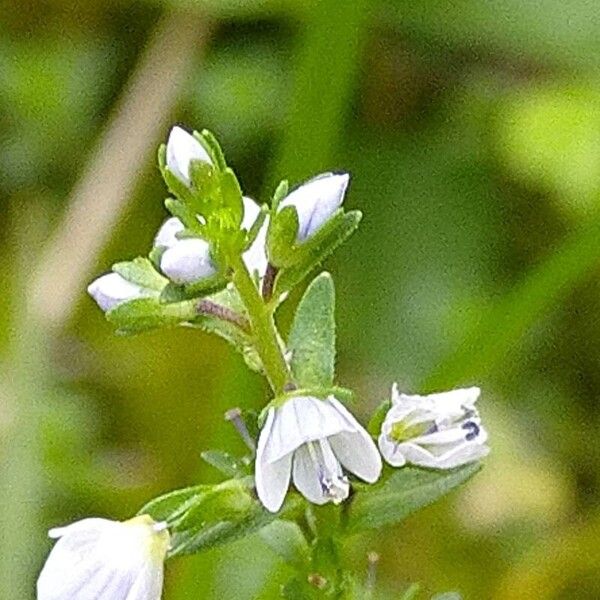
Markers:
{"x": 107, "y": 184}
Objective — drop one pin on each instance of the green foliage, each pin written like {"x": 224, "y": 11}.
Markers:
{"x": 406, "y": 490}
{"x": 141, "y": 271}
{"x": 312, "y": 338}
{"x": 309, "y": 255}
{"x": 145, "y": 314}
{"x": 225, "y": 463}
{"x": 286, "y": 539}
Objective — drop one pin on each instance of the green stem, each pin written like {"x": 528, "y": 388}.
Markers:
{"x": 263, "y": 327}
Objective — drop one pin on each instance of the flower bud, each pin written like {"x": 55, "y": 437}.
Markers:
{"x": 112, "y": 289}
{"x": 315, "y": 202}
{"x": 256, "y": 256}
{"x": 106, "y": 560}
{"x": 182, "y": 148}
{"x": 439, "y": 431}
{"x": 187, "y": 261}
{"x": 167, "y": 234}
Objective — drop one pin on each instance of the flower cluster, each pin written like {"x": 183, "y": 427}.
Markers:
{"x": 308, "y": 437}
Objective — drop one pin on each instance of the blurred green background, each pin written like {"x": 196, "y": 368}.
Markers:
{"x": 472, "y": 132}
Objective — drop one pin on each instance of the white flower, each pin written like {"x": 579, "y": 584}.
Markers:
{"x": 315, "y": 201}
{"x": 187, "y": 261}
{"x": 256, "y": 256}
{"x": 440, "y": 431}
{"x": 98, "y": 559}
{"x": 182, "y": 148}
{"x": 310, "y": 440}
{"x": 111, "y": 290}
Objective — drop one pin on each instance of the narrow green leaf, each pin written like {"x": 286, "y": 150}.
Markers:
{"x": 224, "y": 462}
{"x": 312, "y": 338}
{"x": 172, "y": 505}
{"x": 407, "y": 490}
{"x": 141, "y": 271}
{"x": 317, "y": 249}
{"x": 145, "y": 314}
{"x": 212, "y": 146}
{"x": 280, "y": 193}
{"x": 378, "y": 417}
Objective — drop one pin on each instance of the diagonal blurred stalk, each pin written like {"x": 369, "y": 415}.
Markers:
{"x": 499, "y": 331}
{"x": 99, "y": 199}
{"x": 97, "y": 202}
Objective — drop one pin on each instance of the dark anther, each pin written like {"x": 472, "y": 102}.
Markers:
{"x": 472, "y": 430}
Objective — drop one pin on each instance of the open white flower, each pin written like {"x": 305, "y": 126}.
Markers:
{"x": 182, "y": 148}
{"x": 188, "y": 260}
{"x": 311, "y": 440}
{"x": 111, "y": 289}
{"x": 98, "y": 559}
{"x": 315, "y": 201}
{"x": 440, "y": 431}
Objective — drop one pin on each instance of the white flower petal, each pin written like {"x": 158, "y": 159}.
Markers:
{"x": 303, "y": 419}
{"x": 182, "y": 148}
{"x": 272, "y": 478}
{"x": 316, "y": 200}
{"x": 356, "y": 450}
{"x": 256, "y": 256}
{"x": 391, "y": 451}
{"x": 187, "y": 261}
{"x": 306, "y": 477}
{"x": 167, "y": 234}
{"x": 97, "y": 559}
{"x": 111, "y": 290}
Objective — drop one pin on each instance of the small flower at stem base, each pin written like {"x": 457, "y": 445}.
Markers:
{"x": 182, "y": 148}
{"x": 106, "y": 560}
{"x": 310, "y": 440}
{"x": 112, "y": 289}
{"x": 439, "y": 431}
{"x": 315, "y": 202}
{"x": 187, "y": 261}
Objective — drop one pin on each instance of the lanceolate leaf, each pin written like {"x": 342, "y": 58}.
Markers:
{"x": 312, "y": 338}
{"x": 314, "y": 251}
{"x": 141, "y": 272}
{"x": 407, "y": 490}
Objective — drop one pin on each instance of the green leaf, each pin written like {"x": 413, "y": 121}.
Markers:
{"x": 281, "y": 237}
{"x": 231, "y": 195}
{"x": 286, "y": 539}
{"x": 312, "y": 338}
{"x": 407, "y": 490}
{"x": 145, "y": 314}
{"x": 141, "y": 271}
{"x": 315, "y": 250}
{"x": 280, "y": 193}
{"x": 224, "y": 462}
{"x": 172, "y": 505}
{"x": 174, "y": 292}
{"x": 212, "y": 146}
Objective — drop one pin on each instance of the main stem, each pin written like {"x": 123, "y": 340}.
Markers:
{"x": 263, "y": 327}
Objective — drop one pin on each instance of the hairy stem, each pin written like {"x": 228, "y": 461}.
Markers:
{"x": 212, "y": 309}
{"x": 263, "y": 327}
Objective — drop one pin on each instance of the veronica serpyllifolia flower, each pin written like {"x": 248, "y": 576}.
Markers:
{"x": 439, "y": 431}
{"x": 188, "y": 260}
{"x": 182, "y": 148}
{"x": 99, "y": 559}
{"x": 315, "y": 201}
{"x": 310, "y": 440}
{"x": 111, "y": 289}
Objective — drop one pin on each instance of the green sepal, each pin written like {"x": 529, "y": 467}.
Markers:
{"x": 174, "y": 292}
{"x": 142, "y": 272}
{"x": 312, "y": 252}
{"x": 281, "y": 191}
{"x": 145, "y": 314}
{"x": 203, "y": 517}
{"x": 256, "y": 227}
{"x": 281, "y": 237}
{"x": 231, "y": 195}
{"x": 211, "y": 145}
{"x": 312, "y": 338}
{"x": 374, "y": 426}
{"x": 179, "y": 209}
{"x": 407, "y": 490}
{"x": 225, "y": 463}
{"x": 205, "y": 193}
